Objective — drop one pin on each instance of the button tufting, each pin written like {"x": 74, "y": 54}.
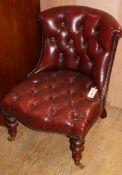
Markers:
{"x": 62, "y": 23}
{"x": 35, "y": 103}
{"x": 80, "y": 28}
{"x": 95, "y": 33}
{"x": 60, "y": 58}
{"x": 53, "y": 111}
{"x": 35, "y": 81}
{"x": 15, "y": 98}
{"x": 77, "y": 61}
{"x": 72, "y": 103}
{"x": 77, "y": 49}
{"x": 54, "y": 75}
{"x": 101, "y": 49}
{"x": 51, "y": 86}
{"x": 71, "y": 41}
{"x": 71, "y": 92}
{"x": 76, "y": 116}
{"x": 84, "y": 45}
{"x": 52, "y": 38}
{"x": 60, "y": 54}
{"x": 96, "y": 30}
{"x": 35, "y": 91}
{"x": 49, "y": 105}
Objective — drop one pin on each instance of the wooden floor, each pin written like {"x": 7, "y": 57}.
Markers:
{"x": 37, "y": 153}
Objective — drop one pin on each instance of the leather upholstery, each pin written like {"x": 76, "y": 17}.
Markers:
{"x": 78, "y": 38}
{"x": 54, "y": 101}
{"x": 79, "y": 44}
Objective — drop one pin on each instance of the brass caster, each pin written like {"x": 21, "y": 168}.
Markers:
{"x": 11, "y": 138}
{"x": 81, "y": 166}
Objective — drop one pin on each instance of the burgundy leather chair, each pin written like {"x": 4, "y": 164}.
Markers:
{"x": 79, "y": 45}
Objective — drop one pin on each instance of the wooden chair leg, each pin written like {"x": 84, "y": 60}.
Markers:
{"x": 11, "y": 124}
{"x": 77, "y": 147}
{"x": 104, "y": 114}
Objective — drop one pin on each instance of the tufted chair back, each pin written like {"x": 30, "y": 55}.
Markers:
{"x": 79, "y": 38}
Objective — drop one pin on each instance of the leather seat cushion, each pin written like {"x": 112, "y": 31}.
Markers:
{"x": 54, "y": 101}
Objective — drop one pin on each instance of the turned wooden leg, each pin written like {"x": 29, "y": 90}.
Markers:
{"x": 11, "y": 124}
{"x": 77, "y": 147}
{"x": 104, "y": 114}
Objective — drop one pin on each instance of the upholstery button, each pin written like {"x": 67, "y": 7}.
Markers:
{"x": 53, "y": 39}
{"x": 54, "y": 75}
{"x": 60, "y": 54}
{"x": 81, "y": 28}
{"x": 71, "y": 92}
{"x": 15, "y": 98}
{"x": 53, "y": 111}
{"x": 84, "y": 44}
{"x": 95, "y": 33}
{"x": 35, "y": 81}
{"x": 35, "y": 91}
{"x": 101, "y": 49}
{"x": 71, "y": 41}
{"x": 77, "y": 60}
{"x": 60, "y": 58}
{"x": 52, "y": 86}
{"x": 76, "y": 116}
{"x": 72, "y": 103}
{"x": 62, "y": 23}
{"x": 35, "y": 103}
{"x": 59, "y": 30}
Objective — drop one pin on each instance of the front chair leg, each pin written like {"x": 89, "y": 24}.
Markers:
{"x": 11, "y": 123}
{"x": 77, "y": 147}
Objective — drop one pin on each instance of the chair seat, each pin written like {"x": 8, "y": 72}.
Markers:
{"x": 54, "y": 101}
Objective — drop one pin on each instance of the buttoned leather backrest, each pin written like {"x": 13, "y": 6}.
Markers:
{"x": 79, "y": 38}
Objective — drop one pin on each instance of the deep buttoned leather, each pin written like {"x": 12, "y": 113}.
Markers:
{"x": 78, "y": 38}
{"x": 79, "y": 44}
{"x": 54, "y": 101}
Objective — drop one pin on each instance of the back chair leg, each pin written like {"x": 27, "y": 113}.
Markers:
{"x": 77, "y": 147}
{"x": 104, "y": 114}
{"x": 11, "y": 124}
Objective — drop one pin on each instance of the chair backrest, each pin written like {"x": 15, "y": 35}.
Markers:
{"x": 79, "y": 38}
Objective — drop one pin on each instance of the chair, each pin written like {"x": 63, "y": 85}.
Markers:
{"x": 66, "y": 91}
